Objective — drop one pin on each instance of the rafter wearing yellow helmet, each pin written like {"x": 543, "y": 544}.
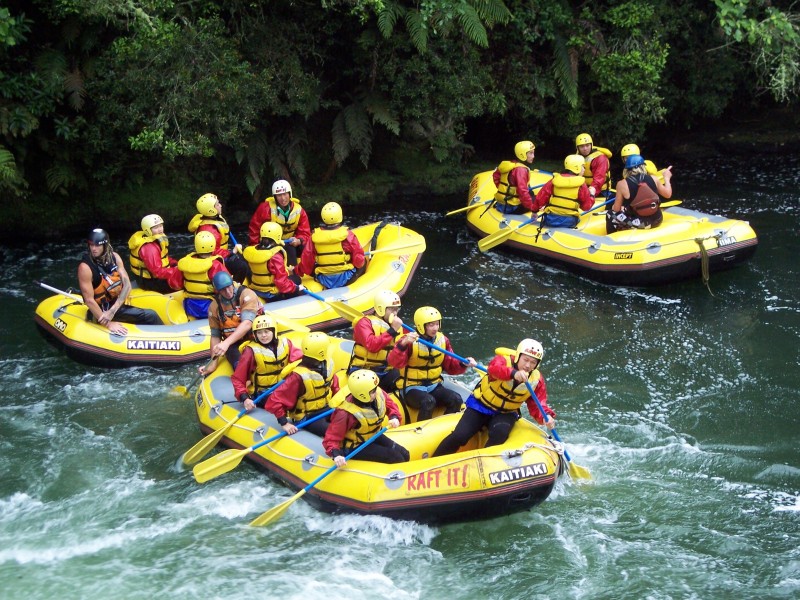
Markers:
{"x": 597, "y": 172}
{"x": 511, "y": 178}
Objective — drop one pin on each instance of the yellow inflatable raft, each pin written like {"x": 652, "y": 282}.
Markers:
{"x": 62, "y": 318}
{"x": 687, "y": 244}
{"x": 474, "y": 483}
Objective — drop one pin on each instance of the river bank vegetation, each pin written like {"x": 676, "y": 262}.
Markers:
{"x": 110, "y": 109}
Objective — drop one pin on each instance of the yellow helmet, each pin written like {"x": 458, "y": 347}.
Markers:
{"x": 530, "y": 348}
{"x": 149, "y": 222}
{"x": 521, "y": 149}
{"x": 573, "y": 163}
{"x": 331, "y": 213}
{"x": 264, "y": 322}
{"x": 583, "y": 138}
{"x": 315, "y": 345}
{"x": 281, "y": 187}
{"x": 204, "y": 242}
{"x": 385, "y": 299}
{"x": 361, "y": 384}
{"x": 206, "y": 205}
{"x": 272, "y": 231}
{"x": 424, "y": 315}
{"x": 629, "y": 149}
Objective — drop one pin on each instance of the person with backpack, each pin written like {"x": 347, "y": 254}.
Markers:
{"x": 639, "y": 195}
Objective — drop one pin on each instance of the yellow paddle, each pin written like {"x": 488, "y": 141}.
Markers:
{"x": 501, "y": 235}
{"x": 287, "y": 322}
{"x": 275, "y": 512}
{"x": 204, "y": 446}
{"x": 226, "y": 461}
{"x": 414, "y": 247}
{"x": 575, "y": 471}
{"x": 468, "y": 208}
{"x": 183, "y": 390}
{"x": 344, "y": 311}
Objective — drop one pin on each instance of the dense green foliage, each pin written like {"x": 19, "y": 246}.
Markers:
{"x": 108, "y": 94}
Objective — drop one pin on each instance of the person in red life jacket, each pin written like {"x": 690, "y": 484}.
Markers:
{"x": 209, "y": 218}
{"x": 263, "y": 358}
{"x": 105, "y": 285}
{"x": 269, "y": 277}
{"x": 639, "y": 194}
{"x": 198, "y": 268}
{"x": 306, "y": 391}
{"x": 374, "y": 337}
{"x": 285, "y": 210}
{"x": 496, "y": 400}
{"x": 598, "y": 166}
{"x": 421, "y": 367}
{"x": 230, "y": 318}
{"x": 151, "y": 264}
{"x": 565, "y": 196}
{"x": 512, "y": 177}
{"x": 333, "y": 255}
{"x": 359, "y": 418}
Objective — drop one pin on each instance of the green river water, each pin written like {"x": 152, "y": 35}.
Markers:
{"x": 683, "y": 405}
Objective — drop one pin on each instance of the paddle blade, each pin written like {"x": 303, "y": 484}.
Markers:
{"x": 180, "y": 390}
{"x": 204, "y": 446}
{"x": 289, "y": 323}
{"x": 219, "y": 464}
{"x": 494, "y": 239}
{"x": 274, "y": 513}
{"x": 577, "y": 471}
{"x": 344, "y": 310}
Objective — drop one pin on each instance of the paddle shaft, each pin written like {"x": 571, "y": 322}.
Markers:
{"x": 425, "y": 342}
{"x": 397, "y": 248}
{"x": 546, "y": 417}
{"x": 348, "y": 457}
{"x": 62, "y": 292}
{"x": 300, "y": 425}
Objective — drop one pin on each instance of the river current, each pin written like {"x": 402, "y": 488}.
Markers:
{"x": 682, "y": 404}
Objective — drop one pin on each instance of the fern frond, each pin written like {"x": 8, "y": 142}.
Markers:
{"x": 339, "y": 139}
{"x": 380, "y": 110}
{"x": 359, "y": 130}
{"x": 387, "y": 18}
{"x": 492, "y": 11}
{"x": 58, "y": 178}
{"x": 565, "y": 71}
{"x": 76, "y": 91}
{"x": 7, "y": 159}
{"x": 417, "y": 30}
{"x": 471, "y": 24}
{"x": 51, "y": 65}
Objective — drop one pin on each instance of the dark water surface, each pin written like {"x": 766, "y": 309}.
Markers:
{"x": 683, "y": 405}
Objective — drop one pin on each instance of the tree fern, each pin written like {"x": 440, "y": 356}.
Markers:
{"x": 418, "y": 30}
{"x": 471, "y": 24}
{"x": 387, "y": 18}
{"x": 59, "y": 178}
{"x": 379, "y": 109}
{"x": 492, "y": 11}
{"x": 565, "y": 71}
